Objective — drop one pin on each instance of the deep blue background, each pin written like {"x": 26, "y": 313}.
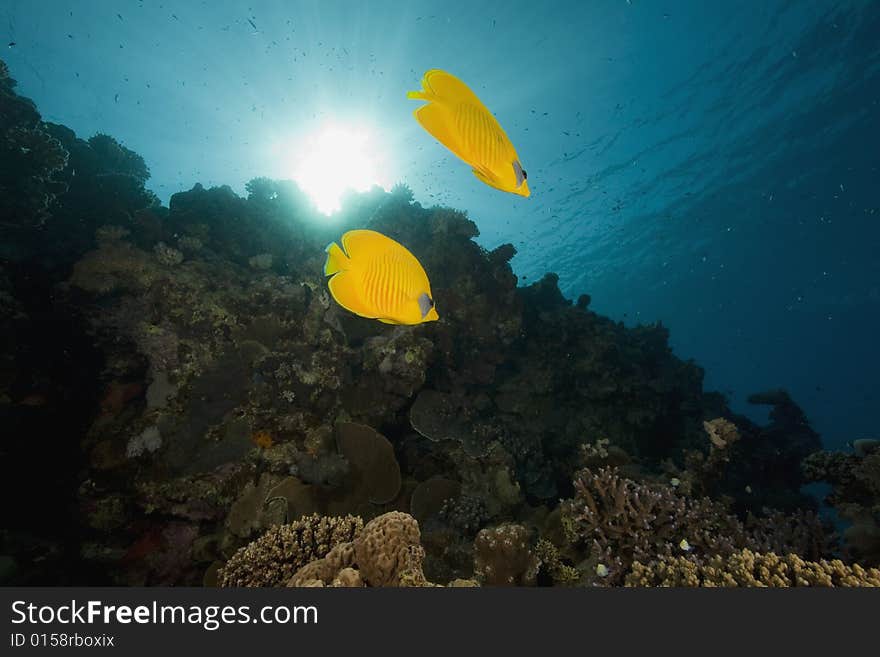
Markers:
{"x": 714, "y": 165}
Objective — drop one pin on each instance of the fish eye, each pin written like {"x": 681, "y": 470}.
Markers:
{"x": 430, "y": 302}
{"x": 525, "y": 175}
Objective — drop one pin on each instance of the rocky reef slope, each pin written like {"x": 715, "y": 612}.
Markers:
{"x": 183, "y": 403}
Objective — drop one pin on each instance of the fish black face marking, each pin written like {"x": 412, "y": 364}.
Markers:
{"x": 425, "y": 304}
{"x": 520, "y": 173}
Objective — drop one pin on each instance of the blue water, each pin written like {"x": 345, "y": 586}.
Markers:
{"x": 712, "y": 165}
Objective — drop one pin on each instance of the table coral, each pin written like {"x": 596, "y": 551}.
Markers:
{"x": 372, "y": 461}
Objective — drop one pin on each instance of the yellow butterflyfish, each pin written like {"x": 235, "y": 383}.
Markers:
{"x": 375, "y": 277}
{"x": 459, "y": 120}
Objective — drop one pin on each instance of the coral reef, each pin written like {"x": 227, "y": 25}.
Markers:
{"x": 274, "y": 558}
{"x": 328, "y": 551}
{"x": 503, "y": 556}
{"x": 211, "y": 415}
{"x": 623, "y": 521}
{"x": 855, "y": 494}
{"x": 31, "y": 161}
{"x": 387, "y": 552}
{"x": 747, "y": 568}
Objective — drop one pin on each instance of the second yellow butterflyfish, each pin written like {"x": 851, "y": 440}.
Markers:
{"x": 459, "y": 120}
{"x": 373, "y": 276}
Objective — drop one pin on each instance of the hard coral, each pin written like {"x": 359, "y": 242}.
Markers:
{"x": 503, "y": 556}
{"x": 272, "y": 559}
{"x": 386, "y": 552}
{"x": 326, "y": 570}
{"x": 626, "y": 521}
{"x": 372, "y": 461}
{"x": 747, "y": 568}
{"x": 387, "y": 549}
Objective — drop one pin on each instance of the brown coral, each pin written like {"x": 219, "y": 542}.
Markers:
{"x": 747, "y": 568}
{"x": 328, "y": 569}
{"x": 503, "y": 556}
{"x": 626, "y": 521}
{"x": 386, "y": 552}
{"x": 552, "y": 564}
{"x": 262, "y": 439}
{"x": 855, "y": 494}
{"x": 272, "y": 559}
{"x": 383, "y": 549}
{"x": 371, "y": 457}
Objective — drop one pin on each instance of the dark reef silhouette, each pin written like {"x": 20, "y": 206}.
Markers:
{"x": 183, "y": 403}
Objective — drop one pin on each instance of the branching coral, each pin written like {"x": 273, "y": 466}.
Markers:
{"x": 747, "y": 568}
{"x": 626, "y": 521}
{"x": 552, "y": 564}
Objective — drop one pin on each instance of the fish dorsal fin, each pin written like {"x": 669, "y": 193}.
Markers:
{"x": 449, "y": 88}
{"x": 363, "y": 242}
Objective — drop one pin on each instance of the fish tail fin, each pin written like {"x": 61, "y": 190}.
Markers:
{"x": 337, "y": 261}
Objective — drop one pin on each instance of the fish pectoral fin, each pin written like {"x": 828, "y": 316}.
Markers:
{"x": 436, "y": 119}
{"x": 336, "y": 260}
{"x": 342, "y": 288}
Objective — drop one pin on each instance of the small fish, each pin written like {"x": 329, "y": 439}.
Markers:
{"x": 11, "y": 44}
{"x": 685, "y": 546}
{"x": 601, "y": 570}
{"x": 675, "y": 482}
{"x": 116, "y": 98}
{"x": 459, "y": 120}
{"x": 252, "y": 23}
{"x": 375, "y": 277}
